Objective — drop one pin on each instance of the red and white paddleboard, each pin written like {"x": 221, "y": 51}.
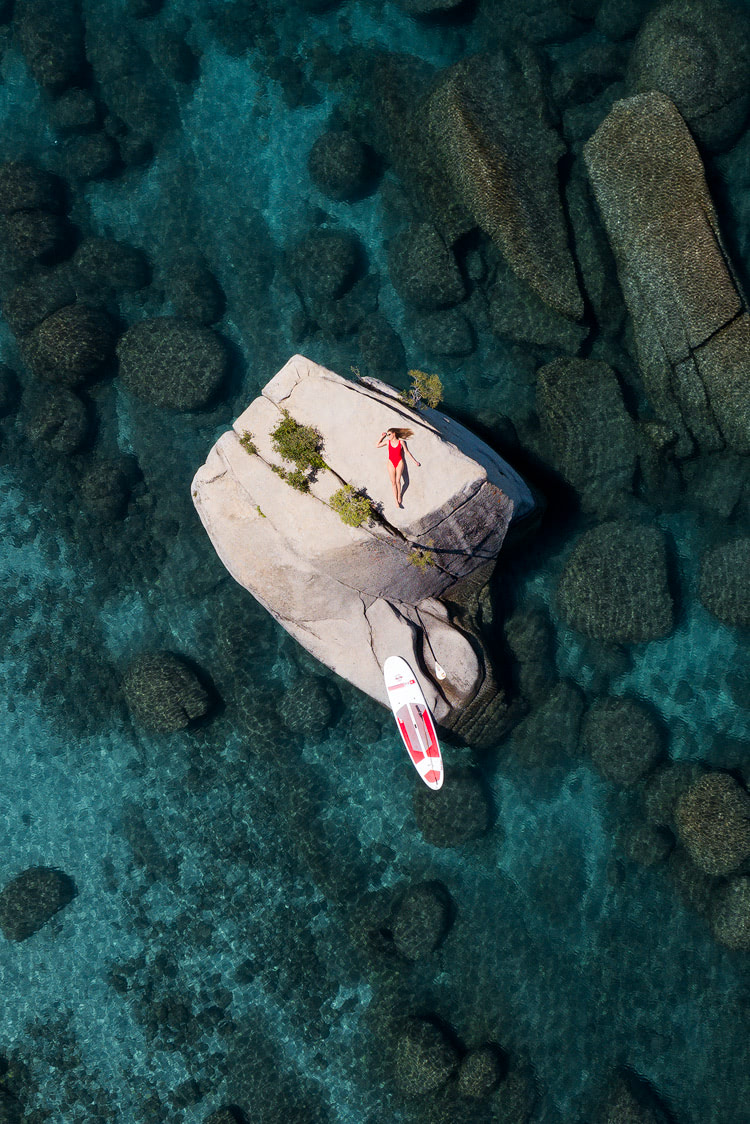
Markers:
{"x": 414, "y": 720}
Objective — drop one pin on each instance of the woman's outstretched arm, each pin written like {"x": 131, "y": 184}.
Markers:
{"x": 382, "y": 439}
{"x": 406, "y": 450}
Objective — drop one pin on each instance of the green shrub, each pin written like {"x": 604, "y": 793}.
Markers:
{"x": 298, "y": 480}
{"x": 421, "y": 558}
{"x": 300, "y": 444}
{"x": 247, "y": 443}
{"x": 424, "y": 388}
{"x": 354, "y": 507}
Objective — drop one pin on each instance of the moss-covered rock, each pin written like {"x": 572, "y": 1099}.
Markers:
{"x": 172, "y": 363}
{"x": 55, "y": 419}
{"x": 30, "y": 899}
{"x": 113, "y": 266}
{"x": 713, "y": 821}
{"x": 24, "y": 187}
{"x": 163, "y": 693}
{"x": 325, "y": 263}
{"x": 614, "y": 585}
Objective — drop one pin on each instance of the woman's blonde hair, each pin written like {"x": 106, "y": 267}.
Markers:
{"x": 402, "y": 434}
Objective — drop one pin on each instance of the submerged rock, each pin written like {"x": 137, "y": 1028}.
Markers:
{"x": 713, "y": 821}
{"x": 697, "y": 52}
{"x": 481, "y": 1071}
{"x": 421, "y": 920}
{"x": 352, "y": 595}
{"x": 172, "y": 363}
{"x": 725, "y": 582}
{"x": 487, "y": 122}
{"x": 425, "y": 1058}
{"x": 622, "y": 738}
{"x": 690, "y": 319}
{"x": 31, "y": 899}
{"x": 730, "y": 913}
{"x": 163, "y": 693}
{"x": 71, "y": 344}
{"x": 338, "y": 165}
{"x": 591, "y": 436}
{"x": 614, "y": 585}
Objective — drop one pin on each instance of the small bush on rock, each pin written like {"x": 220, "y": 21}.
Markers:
{"x": 353, "y": 507}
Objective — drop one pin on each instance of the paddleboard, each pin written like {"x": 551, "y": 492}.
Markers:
{"x": 414, "y": 720}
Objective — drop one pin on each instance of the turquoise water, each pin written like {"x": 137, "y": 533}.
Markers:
{"x": 222, "y": 947}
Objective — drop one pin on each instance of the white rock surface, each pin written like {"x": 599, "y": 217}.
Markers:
{"x": 350, "y": 595}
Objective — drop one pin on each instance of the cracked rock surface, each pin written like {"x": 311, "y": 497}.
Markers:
{"x": 351, "y": 595}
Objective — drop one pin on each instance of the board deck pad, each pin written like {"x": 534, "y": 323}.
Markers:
{"x": 414, "y": 721}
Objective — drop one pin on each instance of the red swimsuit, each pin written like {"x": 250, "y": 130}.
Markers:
{"x": 394, "y": 453}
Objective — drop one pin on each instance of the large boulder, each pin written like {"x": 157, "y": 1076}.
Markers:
{"x": 31, "y": 898}
{"x": 487, "y": 121}
{"x": 352, "y": 595}
{"x": 623, "y": 739}
{"x": 691, "y": 321}
{"x": 730, "y": 913}
{"x": 698, "y": 53}
{"x": 425, "y": 1057}
{"x": 614, "y": 585}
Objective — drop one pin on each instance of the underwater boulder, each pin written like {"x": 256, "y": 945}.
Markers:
{"x": 550, "y": 732}
{"x": 588, "y": 431}
{"x": 41, "y": 292}
{"x": 424, "y": 270}
{"x": 169, "y": 362}
{"x": 458, "y": 812}
{"x": 75, "y": 111}
{"x": 227, "y": 1114}
{"x": 24, "y": 187}
{"x": 725, "y": 582}
{"x": 614, "y": 585}
{"x": 104, "y": 489}
{"x": 90, "y": 156}
{"x": 631, "y": 1100}
{"x": 51, "y": 39}
{"x": 339, "y": 165}
{"x": 425, "y": 1058}
{"x": 489, "y": 124}
{"x": 481, "y": 1071}
{"x": 163, "y": 693}
{"x": 195, "y": 293}
{"x": 530, "y": 636}
{"x": 55, "y": 419}
{"x": 31, "y": 899}
{"x": 622, "y": 738}
{"x": 691, "y": 322}
{"x": 697, "y": 52}
{"x": 71, "y": 345}
{"x": 421, "y": 919}
{"x": 713, "y": 822}
{"x": 32, "y": 236}
{"x": 325, "y": 263}
{"x": 730, "y": 913}
{"x": 106, "y": 265}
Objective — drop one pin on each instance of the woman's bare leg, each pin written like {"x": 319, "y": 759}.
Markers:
{"x": 399, "y": 481}
{"x": 392, "y": 474}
